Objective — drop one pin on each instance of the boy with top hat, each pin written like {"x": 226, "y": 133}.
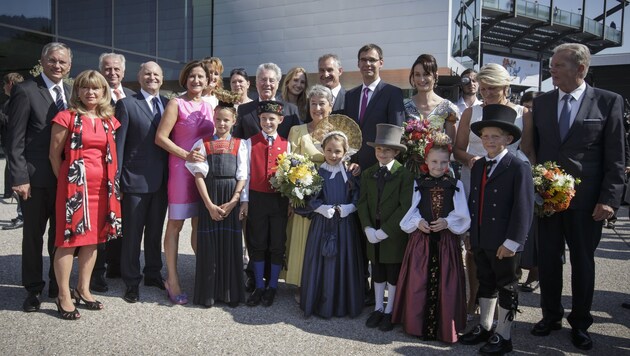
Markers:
{"x": 267, "y": 213}
{"x": 501, "y": 205}
{"x": 386, "y": 192}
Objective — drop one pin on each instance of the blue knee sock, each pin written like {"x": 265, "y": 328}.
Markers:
{"x": 259, "y": 271}
{"x": 274, "y": 275}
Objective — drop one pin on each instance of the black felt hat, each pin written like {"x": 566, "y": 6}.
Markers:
{"x": 497, "y": 115}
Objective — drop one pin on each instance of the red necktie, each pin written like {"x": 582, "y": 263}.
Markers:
{"x": 364, "y": 102}
{"x": 118, "y": 94}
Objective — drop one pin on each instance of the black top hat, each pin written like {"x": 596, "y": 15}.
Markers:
{"x": 389, "y": 136}
{"x": 497, "y": 115}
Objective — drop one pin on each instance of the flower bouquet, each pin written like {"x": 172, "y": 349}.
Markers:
{"x": 417, "y": 134}
{"x": 554, "y": 188}
{"x": 296, "y": 178}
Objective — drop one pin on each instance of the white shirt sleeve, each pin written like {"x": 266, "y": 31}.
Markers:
{"x": 242, "y": 161}
{"x": 198, "y": 167}
{"x": 511, "y": 245}
{"x": 410, "y": 221}
{"x": 248, "y": 146}
{"x": 459, "y": 219}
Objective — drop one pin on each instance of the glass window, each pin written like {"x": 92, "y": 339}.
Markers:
{"x": 32, "y": 14}
{"x": 85, "y": 20}
{"x": 135, "y": 26}
{"x": 174, "y": 30}
{"x": 20, "y": 51}
{"x": 83, "y": 57}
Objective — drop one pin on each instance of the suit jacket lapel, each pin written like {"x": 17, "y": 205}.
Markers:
{"x": 375, "y": 97}
{"x": 501, "y": 167}
{"x": 389, "y": 188}
{"x": 43, "y": 90}
{"x": 144, "y": 107}
{"x": 583, "y": 111}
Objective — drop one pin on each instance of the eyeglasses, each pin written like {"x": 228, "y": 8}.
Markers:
{"x": 369, "y": 60}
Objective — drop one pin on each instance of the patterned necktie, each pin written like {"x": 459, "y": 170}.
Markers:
{"x": 565, "y": 116}
{"x": 270, "y": 140}
{"x": 157, "y": 114}
{"x": 59, "y": 99}
{"x": 364, "y": 102}
{"x": 118, "y": 94}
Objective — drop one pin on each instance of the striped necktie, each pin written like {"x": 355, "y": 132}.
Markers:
{"x": 59, "y": 99}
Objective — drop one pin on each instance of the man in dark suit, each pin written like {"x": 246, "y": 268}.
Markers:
{"x": 330, "y": 71}
{"x": 112, "y": 67}
{"x": 580, "y": 128}
{"x": 373, "y": 102}
{"x": 33, "y": 104}
{"x": 143, "y": 168}
{"x": 268, "y": 77}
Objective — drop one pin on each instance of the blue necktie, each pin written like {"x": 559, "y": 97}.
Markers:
{"x": 59, "y": 99}
{"x": 565, "y": 116}
{"x": 157, "y": 114}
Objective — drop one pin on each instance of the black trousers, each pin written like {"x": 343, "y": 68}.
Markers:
{"x": 384, "y": 272}
{"x": 38, "y": 210}
{"x": 107, "y": 253}
{"x": 497, "y": 277}
{"x": 143, "y": 214}
{"x": 267, "y": 226}
{"x": 582, "y": 234}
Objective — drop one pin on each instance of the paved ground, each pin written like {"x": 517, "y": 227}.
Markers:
{"x": 154, "y": 326}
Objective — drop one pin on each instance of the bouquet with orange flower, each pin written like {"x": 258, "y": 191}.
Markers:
{"x": 554, "y": 188}
{"x": 416, "y": 136}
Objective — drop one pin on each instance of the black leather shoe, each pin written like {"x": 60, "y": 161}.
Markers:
{"x": 496, "y": 345}
{"x": 374, "y": 319}
{"x": 154, "y": 282}
{"x": 544, "y": 327}
{"x": 112, "y": 272}
{"x": 31, "y": 303}
{"x": 132, "y": 294}
{"x": 581, "y": 339}
{"x": 386, "y": 323}
{"x": 15, "y": 224}
{"x": 475, "y": 336}
{"x": 269, "y": 296}
{"x": 255, "y": 298}
{"x": 98, "y": 284}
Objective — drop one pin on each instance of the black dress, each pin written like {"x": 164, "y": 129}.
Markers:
{"x": 219, "y": 268}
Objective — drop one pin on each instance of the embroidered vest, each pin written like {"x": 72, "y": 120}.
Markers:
{"x": 262, "y": 164}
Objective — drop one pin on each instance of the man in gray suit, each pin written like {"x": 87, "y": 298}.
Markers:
{"x": 112, "y": 67}
{"x": 143, "y": 168}
{"x": 330, "y": 71}
{"x": 33, "y": 105}
{"x": 580, "y": 128}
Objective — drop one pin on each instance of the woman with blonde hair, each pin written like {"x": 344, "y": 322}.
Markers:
{"x": 215, "y": 81}
{"x": 294, "y": 90}
{"x": 83, "y": 157}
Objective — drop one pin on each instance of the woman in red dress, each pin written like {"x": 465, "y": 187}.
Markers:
{"x": 83, "y": 156}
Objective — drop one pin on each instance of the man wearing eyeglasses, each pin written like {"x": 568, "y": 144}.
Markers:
{"x": 34, "y": 103}
{"x": 373, "y": 102}
{"x": 469, "y": 88}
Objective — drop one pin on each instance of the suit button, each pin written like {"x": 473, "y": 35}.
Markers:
{"x": 474, "y": 201}
{"x": 472, "y": 214}
{"x": 494, "y": 205}
{"x": 492, "y": 219}
{"x": 495, "y": 190}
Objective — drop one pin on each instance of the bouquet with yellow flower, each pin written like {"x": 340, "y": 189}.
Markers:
{"x": 554, "y": 188}
{"x": 296, "y": 178}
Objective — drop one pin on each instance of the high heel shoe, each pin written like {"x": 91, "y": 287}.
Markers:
{"x": 92, "y": 305}
{"x": 179, "y": 299}
{"x": 67, "y": 315}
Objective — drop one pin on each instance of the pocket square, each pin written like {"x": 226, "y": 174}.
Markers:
{"x": 592, "y": 121}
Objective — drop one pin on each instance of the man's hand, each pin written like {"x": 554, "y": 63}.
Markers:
{"x": 601, "y": 212}
{"x": 23, "y": 190}
{"x": 503, "y": 251}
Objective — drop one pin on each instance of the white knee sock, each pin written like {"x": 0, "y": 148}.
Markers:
{"x": 391, "y": 294}
{"x": 379, "y": 295}
{"x": 504, "y": 326}
{"x": 486, "y": 311}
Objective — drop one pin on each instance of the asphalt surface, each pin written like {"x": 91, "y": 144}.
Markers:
{"x": 155, "y": 327}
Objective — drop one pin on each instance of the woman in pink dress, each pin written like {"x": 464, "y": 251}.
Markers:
{"x": 186, "y": 119}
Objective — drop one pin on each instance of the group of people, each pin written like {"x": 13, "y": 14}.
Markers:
{"x": 208, "y": 155}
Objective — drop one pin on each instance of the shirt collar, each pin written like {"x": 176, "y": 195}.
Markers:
{"x": 148, "y": 96}
{"x": 389, "y": 165}
{"x": 49, "y": 83}
{"x": 576, "y": 93}
{"x": 372, "y": 85}
{"x": 498, "y": 157}
{"x": 275, "y": 135}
